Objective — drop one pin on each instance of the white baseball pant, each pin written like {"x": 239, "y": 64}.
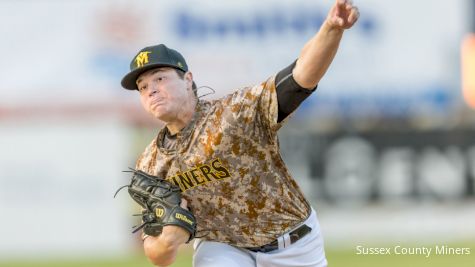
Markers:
{"x": 306, "y": 252}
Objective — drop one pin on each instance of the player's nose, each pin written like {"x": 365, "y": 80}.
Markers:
{"x": 152, "y": 90}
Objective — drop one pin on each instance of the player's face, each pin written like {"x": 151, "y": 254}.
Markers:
{"x": 163, "y": 93}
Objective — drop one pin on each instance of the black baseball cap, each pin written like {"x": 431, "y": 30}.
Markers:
{"x": 149, "y": 58}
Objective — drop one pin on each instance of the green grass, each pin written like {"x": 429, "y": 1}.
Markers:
{"x": 336, "y": 257}
{"x": 136, "y": 261}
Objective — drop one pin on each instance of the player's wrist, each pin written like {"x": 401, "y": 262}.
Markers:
{"x": 174, "y": 235}
{"x": 330, "y": 27}
{"x": 144, "y": 236}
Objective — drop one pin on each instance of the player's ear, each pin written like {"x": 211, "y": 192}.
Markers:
{"x": 189, "y": 79}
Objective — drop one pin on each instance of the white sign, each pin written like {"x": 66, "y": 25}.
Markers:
{"x": 400, "y": 55}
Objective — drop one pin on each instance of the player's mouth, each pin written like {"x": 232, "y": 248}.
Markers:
{"x": 155, "y": 102}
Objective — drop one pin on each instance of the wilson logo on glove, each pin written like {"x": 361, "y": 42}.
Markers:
{"x": 159, "y": 212}
{"x": 183, "y": 218}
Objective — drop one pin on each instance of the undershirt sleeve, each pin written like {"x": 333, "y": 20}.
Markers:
{"x": 289, "y": 93}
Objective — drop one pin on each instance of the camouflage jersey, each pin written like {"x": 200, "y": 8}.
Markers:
{"x": 228, "y": 166}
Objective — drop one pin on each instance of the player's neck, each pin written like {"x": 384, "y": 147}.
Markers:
{"x": 182, "y": 119}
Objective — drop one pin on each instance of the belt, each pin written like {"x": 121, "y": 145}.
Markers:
{"x": 295, "y": 235}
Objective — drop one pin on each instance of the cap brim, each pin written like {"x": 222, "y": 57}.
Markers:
{"x": 129, "y": 81}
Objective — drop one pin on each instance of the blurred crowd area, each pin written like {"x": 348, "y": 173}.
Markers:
{"x": 384, "y": 149}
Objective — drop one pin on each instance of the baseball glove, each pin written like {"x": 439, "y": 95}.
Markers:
{"x": 160, "y": 201}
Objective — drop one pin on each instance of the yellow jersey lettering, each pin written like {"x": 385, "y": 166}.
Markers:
{"x": 222, "y": 172}
{"x": 199, "y": 175}
{"x": 185, "y": 180}
{"x": 206, "y": 171}
{"x": 196, "y": 176}
{"x": 174, "y": 181}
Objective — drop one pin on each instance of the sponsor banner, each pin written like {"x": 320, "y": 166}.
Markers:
{"x": 392, "y": 61}
{"x": 405, "y": 166}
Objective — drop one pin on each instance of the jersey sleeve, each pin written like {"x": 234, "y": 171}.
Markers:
{"x": 255, "y": 105}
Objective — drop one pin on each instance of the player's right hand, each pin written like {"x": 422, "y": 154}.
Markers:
{"x": 343, "y": 14}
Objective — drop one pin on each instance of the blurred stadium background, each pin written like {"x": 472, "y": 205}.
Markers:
{"x": 385, "y": 149}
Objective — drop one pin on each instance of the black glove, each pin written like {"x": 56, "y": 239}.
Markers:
{"x": 160, "y": 201}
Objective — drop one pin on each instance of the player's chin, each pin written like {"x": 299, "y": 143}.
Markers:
{"x": 160, "y": 113}
{"x": 157, "y": 108}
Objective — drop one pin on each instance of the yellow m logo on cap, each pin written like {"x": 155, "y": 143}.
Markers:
{"x": 142, "y": 58}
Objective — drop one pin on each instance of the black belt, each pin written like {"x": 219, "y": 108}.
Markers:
{"x": 295, "y": 235}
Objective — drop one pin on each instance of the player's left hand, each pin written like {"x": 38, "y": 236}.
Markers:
{"x": 343, "y": 14}
{"x": 163, "y": 206}
{"x": 176, "y": 233}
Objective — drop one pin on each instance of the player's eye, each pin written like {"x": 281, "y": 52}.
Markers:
{"x": 142, "y": 88}
{"x": 159, "y": 78}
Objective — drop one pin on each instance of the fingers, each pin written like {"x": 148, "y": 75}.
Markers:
{"x": 348, "y": 5}
{"x": 338, "y": 21}
{"x": 184, "y": 203}
{"x": 346, "y": 14}
{"x": 354, "y": 15}
{"x": 344, "y": 3}
{"x": 341, "y": 3}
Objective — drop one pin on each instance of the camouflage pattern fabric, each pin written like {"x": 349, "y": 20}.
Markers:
{"x": 228, "y": 166}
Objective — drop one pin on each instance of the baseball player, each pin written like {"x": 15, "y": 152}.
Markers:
{"x": 224, "y": 157}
